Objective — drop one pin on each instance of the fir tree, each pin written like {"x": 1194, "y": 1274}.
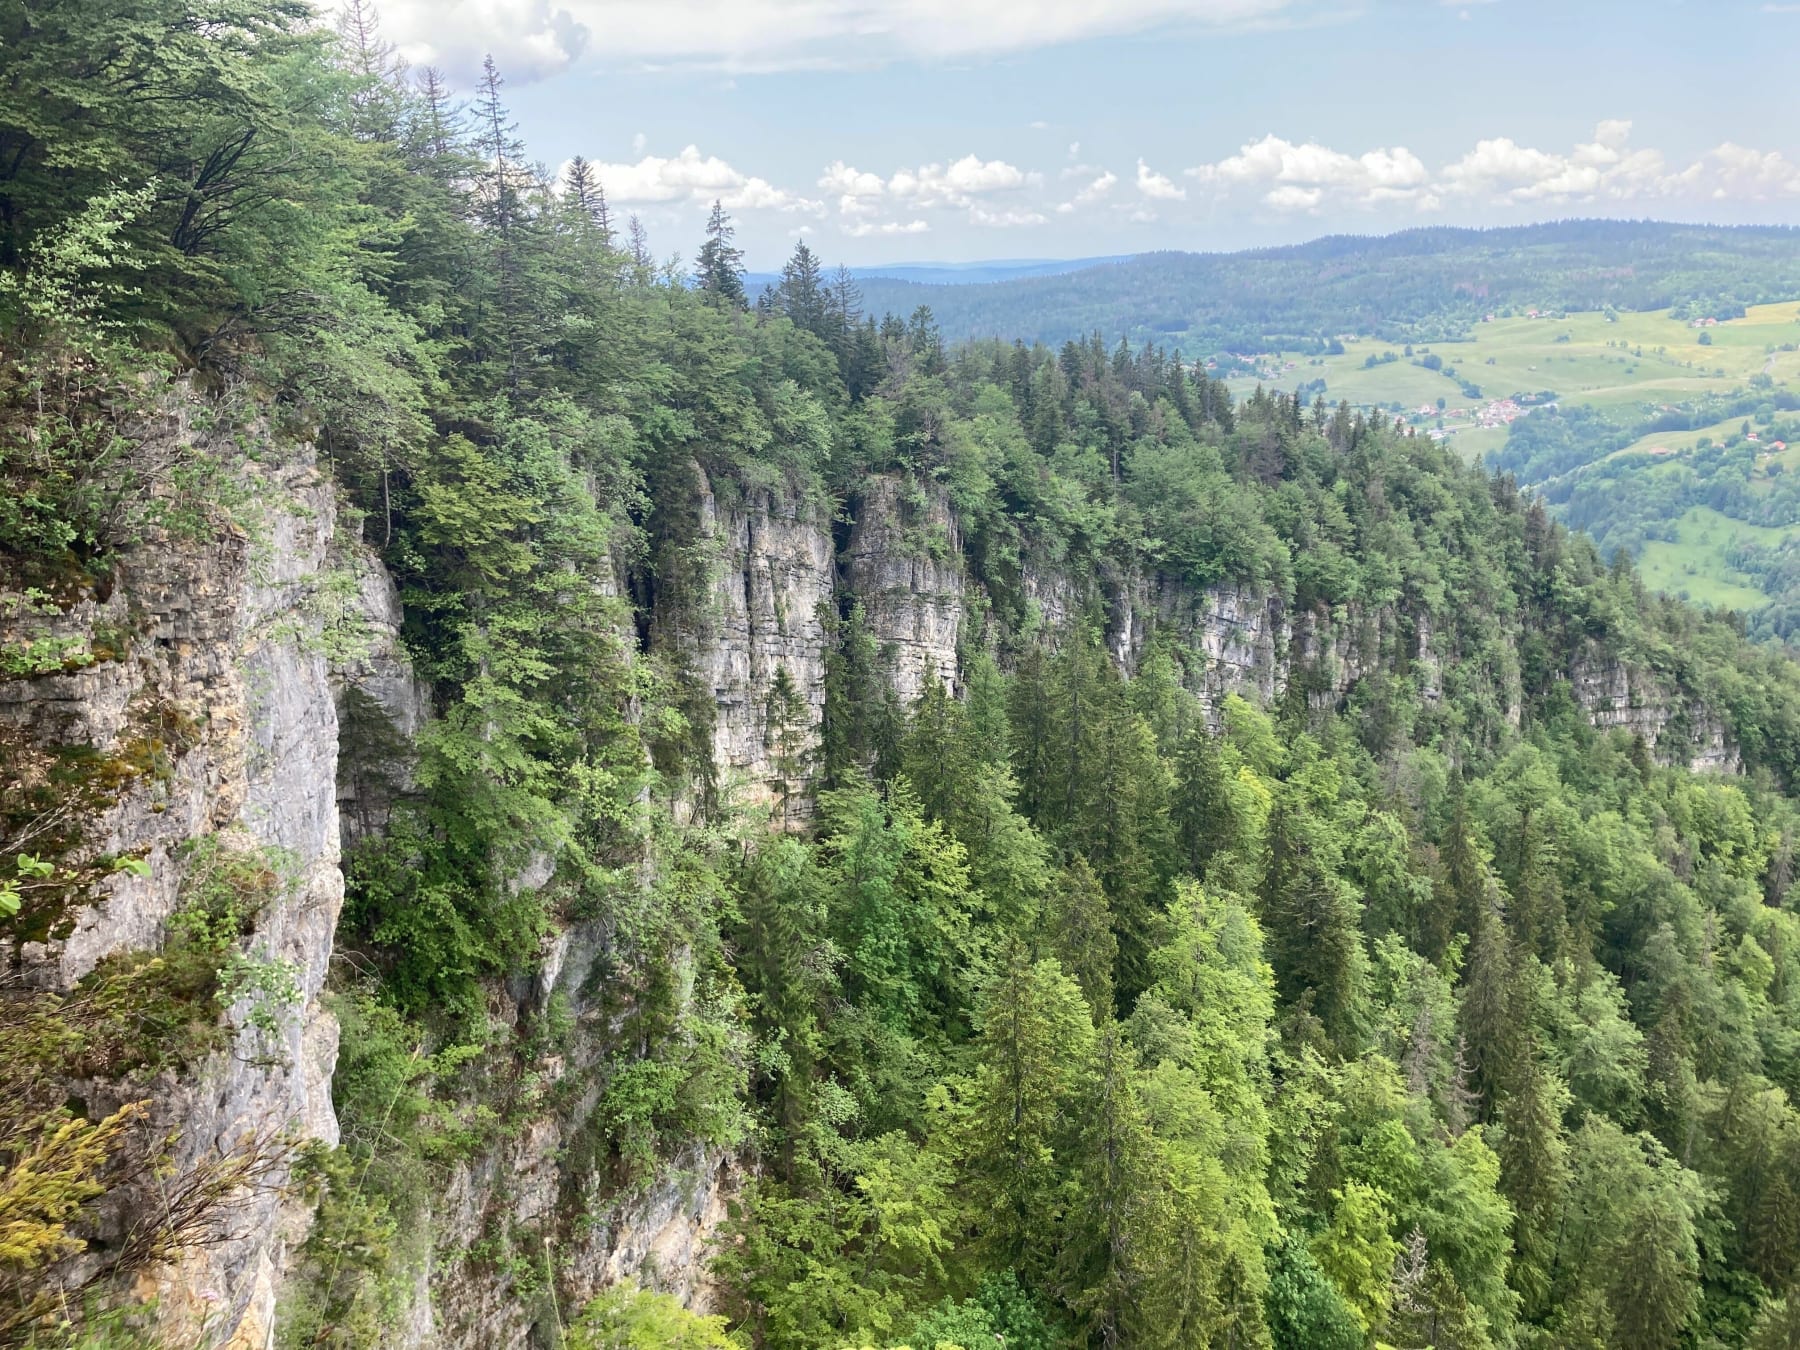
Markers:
{"x": 719, "y": 270}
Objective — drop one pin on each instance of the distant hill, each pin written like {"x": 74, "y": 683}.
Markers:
{"x": 1419, "y": 285}
{"x": 957, "y": 274}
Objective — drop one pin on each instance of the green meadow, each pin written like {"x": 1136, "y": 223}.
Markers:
{"x": 1628, "y": 364}
{"x": 1694, "y": 567}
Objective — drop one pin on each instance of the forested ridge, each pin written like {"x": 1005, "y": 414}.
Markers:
{"x": 1069, "y": 1008}
{"x": 1423, "y": 285}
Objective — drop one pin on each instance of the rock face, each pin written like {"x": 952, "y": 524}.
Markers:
{"x": 761, "y": 634}
{"x": 904, "y": 563}
{"x": 213, "y": 704}
{"x": 1677, "y": 729}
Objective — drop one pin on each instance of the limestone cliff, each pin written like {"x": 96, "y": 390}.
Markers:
{"x": 905, "y": 564}
{"x": 760, "y": 632}
{"x": 195, "y": 704}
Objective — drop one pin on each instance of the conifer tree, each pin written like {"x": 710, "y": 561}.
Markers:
{"x": 801, "y": 293}
{"x": 1311, "y": 919}
{"x": 719, "y": 269}
{"x": 1033, "y": 1051}
{"x": 1533, "y": 1176}
{"x": 1119, "y": 1228}
{"x": 1079, "y": 929}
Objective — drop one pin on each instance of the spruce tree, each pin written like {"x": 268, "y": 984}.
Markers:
{"x": 1079, "y": 932}
{"x": 719, "y": 269}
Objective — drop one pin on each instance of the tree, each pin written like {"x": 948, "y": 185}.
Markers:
{"x": 1534, "y": 1176}
{"x": 1079, "y": 928}
{"x": 1204, "y": 813}
{"x": 1118, "y": 1230}
{"x": 801, "y": 293}
{"x": 587, "y": 194}
{"x": 1305, "y": 1309}
{"x": 1311, "y": 918}
{"x": 1032, "y": 1052}
{"x": 1358, "y": 1252}
{"x": 719, "y": 270}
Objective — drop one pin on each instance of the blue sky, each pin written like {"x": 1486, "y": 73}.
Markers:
{"x": 882, "y": 130}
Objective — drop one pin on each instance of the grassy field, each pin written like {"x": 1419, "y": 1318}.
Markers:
{"x": 1630, "y": 364}
{"x": 1694, "y": 566}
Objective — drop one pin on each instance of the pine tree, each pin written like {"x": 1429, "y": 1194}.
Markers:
{"x": 1311, "y": 919}
{"x": 502, "y": 211}
{"x": 779, "y": 959}
{"x": 378, "y": 74}
{"x": 1204, "y": 816}
{"x": 719, "y": 269}
{"x": 440, "y": 124}
{"x": 1487, "y": 1018}
{"x": 637, "y": 248}
{"x": 1118, "y": 1228}
{"x": 1033, "y": 1050}
{"x": 801, "y": 293}
{"x": 1079, "y": 929}
{"x": 786, "y": 722}
{"x": 1533, "y": 1177}
{"x": 587, "y": 195}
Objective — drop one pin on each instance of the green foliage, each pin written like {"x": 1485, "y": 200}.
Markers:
{"x": 1083, "y": 1002}
{"x": 629, "y": 1318}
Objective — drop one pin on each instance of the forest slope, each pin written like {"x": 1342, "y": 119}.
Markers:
{"x": 1304, "y": 898}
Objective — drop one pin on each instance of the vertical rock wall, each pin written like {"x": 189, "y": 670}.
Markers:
{"x": 905, "y": 564}
{"x": 772, "y": 578}
{"x": 212, "y": 702}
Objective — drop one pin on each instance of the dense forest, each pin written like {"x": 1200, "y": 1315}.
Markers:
{"x": 1425, "y": 285}
{"x": 1074, "y": 1009}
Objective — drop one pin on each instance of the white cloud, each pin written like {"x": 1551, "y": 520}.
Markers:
{"x": 1289, "y": 197}
{"x": 861, "y": 228}
{"x": 1498, "y": 171}
{"x": 692, "y": 176}
{"x": 967, "y": 178}
{"x": 842, "y": 180}
{"x": 1003, "y": 220}
{"x": 528, "y": 39}
{"x": 534, "y": 38}
{"x": 1743, "y": 174}
{"x": 1093, "y": 192}
{"x": 1272, "y": 177}
{"x": 1159, "y": 186}
{"x": 1312, "y": 171}
{"x": 929, "y": 185}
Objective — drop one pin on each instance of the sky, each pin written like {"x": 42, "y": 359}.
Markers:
{"x": 955, "y": 130}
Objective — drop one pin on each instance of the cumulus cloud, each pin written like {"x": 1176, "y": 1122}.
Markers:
{"x": 528, "y": 39}
{"x": 1003, "y": 220}
{"x": 778, "y": 34}
{"x": 692, "y": 176}
{"x": 1158, "y": 186}
{"x": 1298, "y": 177}
{"x": 1271, "y": 176}
{"x": 860, "y": 193}
{"x": 1498, "y": 171}
{"x": 959, "y": 184}
{"x": 1091, "y": 193}
{"x": 861, "y": 228}
{"x": 840, "y": 179}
